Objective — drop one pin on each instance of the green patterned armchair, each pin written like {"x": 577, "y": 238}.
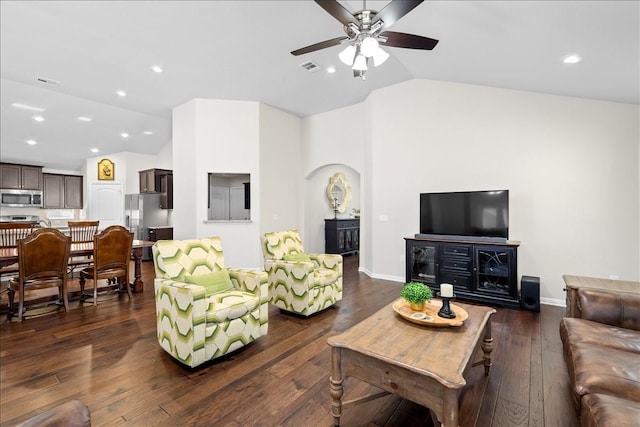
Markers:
{"x": 298, "y": 282}
{"x": 199, "y": 316}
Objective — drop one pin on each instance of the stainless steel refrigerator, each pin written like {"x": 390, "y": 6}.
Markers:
{"x": 142, "y": 211}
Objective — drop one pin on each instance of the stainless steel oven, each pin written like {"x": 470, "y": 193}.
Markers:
{"x": 21, "y": 198}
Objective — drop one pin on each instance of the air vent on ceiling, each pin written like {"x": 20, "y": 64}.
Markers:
{"x": 310, "y": 66}
{"x": 49, "y": 82}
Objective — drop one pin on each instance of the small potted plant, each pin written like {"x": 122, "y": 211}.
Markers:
{"x": 416, "y": 293}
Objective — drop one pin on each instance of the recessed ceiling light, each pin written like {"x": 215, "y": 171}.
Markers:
{"x": 121, "y": 93}
{"x": 31, "y": 142}
{"x": 156, "y": 69}
{"x": 95, "y": 150}
{"x": 331, "y": 70}
{"x": 84, "y": 119}
{"x": 38, "y": 118}
{"x": 124, "y": 135}
{"x": 27, "y": 107}
{"x": 572, "y": 59}
{"x": 148, "y": 132}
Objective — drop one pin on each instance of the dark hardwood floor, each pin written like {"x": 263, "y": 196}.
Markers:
{"x": 108, "y": 357}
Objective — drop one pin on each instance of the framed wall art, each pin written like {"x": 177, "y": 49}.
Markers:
{"x": 106, "y": 170}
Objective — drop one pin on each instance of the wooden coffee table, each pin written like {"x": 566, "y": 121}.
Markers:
{"x": 420, "y": 363}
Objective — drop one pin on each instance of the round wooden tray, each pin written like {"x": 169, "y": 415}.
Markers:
{"x": 429, "y": 315}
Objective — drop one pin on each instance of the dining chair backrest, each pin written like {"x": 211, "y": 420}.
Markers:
{"x": 43, "y": 256}
{"x": 11, "y": 232}
{"x": 112, "y": 251}
{"x": 82, "y": 231}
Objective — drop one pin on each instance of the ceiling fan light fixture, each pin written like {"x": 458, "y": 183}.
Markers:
{"x": 348, "y": 55}
{"x": 369, "y": 46}
{"x": 380, "y": 57}
{"x": 360, "y": 63}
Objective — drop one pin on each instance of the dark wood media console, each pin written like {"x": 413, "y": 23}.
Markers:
{"x": 478, "y": 270}
{"x": 342, "y": 236}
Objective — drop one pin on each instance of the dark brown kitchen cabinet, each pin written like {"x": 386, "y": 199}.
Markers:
{"x": 166, "y": 191}
{"x": 158, "y": 181}
{"x": 73, "y": 192}
{"x": 21, "y": 177}
{"x": 150, "y": 180}
{"x": 62, "y": 191}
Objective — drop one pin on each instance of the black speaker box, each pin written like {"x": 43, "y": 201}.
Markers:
{"x": 530, "y": 293}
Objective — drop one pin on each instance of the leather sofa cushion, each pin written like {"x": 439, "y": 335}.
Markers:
{"x": 613, "y": 308}
{"x": 599, "y": 410}
{"x": 578, "y": 330}
{"x": 606, "y": 370}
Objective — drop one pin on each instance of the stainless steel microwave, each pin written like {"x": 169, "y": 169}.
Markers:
{"x": 21, "y": 198}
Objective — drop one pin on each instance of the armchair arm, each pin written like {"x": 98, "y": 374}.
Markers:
{"x": 296, "y": 269}
{"x": 181, "y": 319}
{"x": 613, "y": 308}
{"x": 253, "y": 281}
{"x": 330, "y": 261}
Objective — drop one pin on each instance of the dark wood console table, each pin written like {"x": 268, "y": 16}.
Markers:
{"x": 342, "y": 236}
{"x": 479, "y": 270}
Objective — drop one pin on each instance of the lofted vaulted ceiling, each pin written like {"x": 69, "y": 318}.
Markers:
{"x": 240, "y": 50}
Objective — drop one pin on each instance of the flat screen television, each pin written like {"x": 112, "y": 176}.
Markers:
{"x": 470, "y": 214}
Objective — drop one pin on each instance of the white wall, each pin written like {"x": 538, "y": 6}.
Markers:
{"x": 219, "y": 136}
{"x": 335, "y": 140}
{"x": 571, "y": 166}
{"x": 281, "y": 191}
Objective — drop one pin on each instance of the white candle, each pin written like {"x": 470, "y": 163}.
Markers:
{"x": 446, "y": 290}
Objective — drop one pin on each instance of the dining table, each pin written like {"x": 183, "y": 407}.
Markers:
{"x": 9, "y": 256}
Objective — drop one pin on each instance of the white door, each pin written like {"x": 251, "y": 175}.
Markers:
{"x": 106, "y": 204}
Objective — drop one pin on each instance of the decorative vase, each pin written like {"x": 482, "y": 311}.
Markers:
{"x": 416, "y": 306}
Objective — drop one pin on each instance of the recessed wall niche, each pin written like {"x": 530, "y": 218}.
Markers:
{"x": 229, "y": 197}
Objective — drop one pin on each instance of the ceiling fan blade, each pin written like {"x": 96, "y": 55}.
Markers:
{"x": 394, "y": 11}
{"x": 318, "y": 46}
{"x": 409, "y": 41}
{"x": 338, "y": 11}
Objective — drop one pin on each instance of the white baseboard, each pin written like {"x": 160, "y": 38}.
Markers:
{"x": 553, "y": 301}
{"x": 382, "y": 276}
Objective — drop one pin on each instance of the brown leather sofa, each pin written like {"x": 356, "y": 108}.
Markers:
{"x": 601, "y": 348}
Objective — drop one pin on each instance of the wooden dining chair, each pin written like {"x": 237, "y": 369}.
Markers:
{"x": 111, "y": 256}
{"x": 10, "y": 232}
{"x": 42, "y": 262}
{"x": 81, "y": 232}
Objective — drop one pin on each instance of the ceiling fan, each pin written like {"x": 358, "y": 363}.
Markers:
{"x": 365, "y": 33}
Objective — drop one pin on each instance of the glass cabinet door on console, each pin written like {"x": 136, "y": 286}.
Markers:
{"x": 495, "y": 270}
{"x": 421, "y": 265}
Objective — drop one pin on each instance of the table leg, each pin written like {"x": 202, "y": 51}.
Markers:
{"x": 487, "y": 347}
{"x": 450, "y": 408}
{"x": 336, "y": 389}
{"x": 137, "y": 285}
